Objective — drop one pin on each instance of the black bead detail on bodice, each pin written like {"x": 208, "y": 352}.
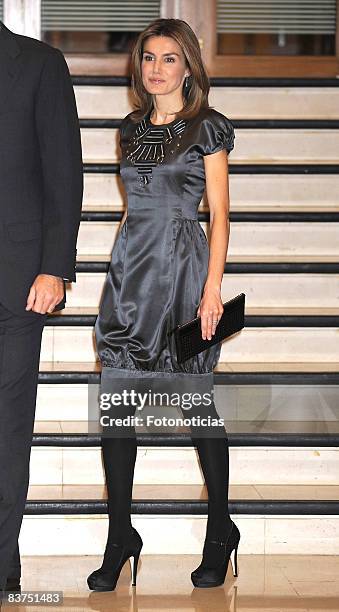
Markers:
{"x": 146, "y": 148}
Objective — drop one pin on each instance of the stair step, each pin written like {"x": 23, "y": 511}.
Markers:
{"x": 266, "y": 294}
{"x": 75, "y": 459}
{"x": 285, "y": 102}
{"x": 248, "y": 192}
{"x": 192, "y": 493}
{"x": 258, "y": 345}
{"x": 319, "y": 419}
{"x": 75, "y": 462}
{"x": 248, "y": 242}
{"x": 274, "y": 146}
{"x": 290, "y": 401}
{"x": 79, "y": 313}
{"x": 287, "y": 371}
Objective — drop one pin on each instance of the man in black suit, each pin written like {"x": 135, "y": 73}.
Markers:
{"x": 41, "y": 187}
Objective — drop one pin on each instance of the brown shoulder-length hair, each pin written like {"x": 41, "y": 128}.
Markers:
{"x": 196, "y": 94}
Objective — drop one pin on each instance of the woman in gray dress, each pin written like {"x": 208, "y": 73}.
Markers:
{"x": 163, "y": 273}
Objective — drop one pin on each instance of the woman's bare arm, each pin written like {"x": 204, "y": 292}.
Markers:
{"x": 217, "y": 191}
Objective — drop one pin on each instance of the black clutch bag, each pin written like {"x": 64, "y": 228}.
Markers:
{"x": 188, "y": 338}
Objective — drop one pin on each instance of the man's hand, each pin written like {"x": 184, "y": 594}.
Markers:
{"x": 45, "y": 293}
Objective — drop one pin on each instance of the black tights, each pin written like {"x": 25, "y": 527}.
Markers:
{"x": 119, "y": 455}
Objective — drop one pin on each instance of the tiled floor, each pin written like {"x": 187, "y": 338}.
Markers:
{"x": 266, "y": 583}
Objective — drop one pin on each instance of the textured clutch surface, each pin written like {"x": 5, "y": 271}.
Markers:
{"x": 188, "y": 338}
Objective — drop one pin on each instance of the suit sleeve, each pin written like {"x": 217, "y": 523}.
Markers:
{"x": 58, "y": 132}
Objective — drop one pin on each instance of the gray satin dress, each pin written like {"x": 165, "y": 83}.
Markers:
{"x": 160, "y": 256}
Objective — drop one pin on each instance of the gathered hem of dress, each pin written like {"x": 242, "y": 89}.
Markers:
{"x": 109, "y": 366}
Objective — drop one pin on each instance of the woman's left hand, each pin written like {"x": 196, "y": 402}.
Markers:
{"x": 210, "y": 310}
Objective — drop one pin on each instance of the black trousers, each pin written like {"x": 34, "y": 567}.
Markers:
{"x": 20, "y": 344}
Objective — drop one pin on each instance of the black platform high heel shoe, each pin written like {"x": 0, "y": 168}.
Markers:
{"x": 216, "y": 555}
{"x": 105, "y": 578}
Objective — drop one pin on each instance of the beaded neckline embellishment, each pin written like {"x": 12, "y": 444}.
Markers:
{"x": 146, "y": 148}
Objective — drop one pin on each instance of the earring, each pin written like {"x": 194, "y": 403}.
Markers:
{"x": 186, "y": 82}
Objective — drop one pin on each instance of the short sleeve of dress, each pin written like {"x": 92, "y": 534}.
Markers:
{"x": 217, "y": 133}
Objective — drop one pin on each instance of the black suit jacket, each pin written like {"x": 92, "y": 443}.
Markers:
{"x": 41, "y": 175}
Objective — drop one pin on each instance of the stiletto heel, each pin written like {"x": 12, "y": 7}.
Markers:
{"x": 135, "y": 567}
{"x": 213, "y": 573}
{"x": 105, "y": 578}
{"x": 234, "y": 563}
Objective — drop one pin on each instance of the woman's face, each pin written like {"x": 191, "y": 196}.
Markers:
{"x": 163, "y": 65}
